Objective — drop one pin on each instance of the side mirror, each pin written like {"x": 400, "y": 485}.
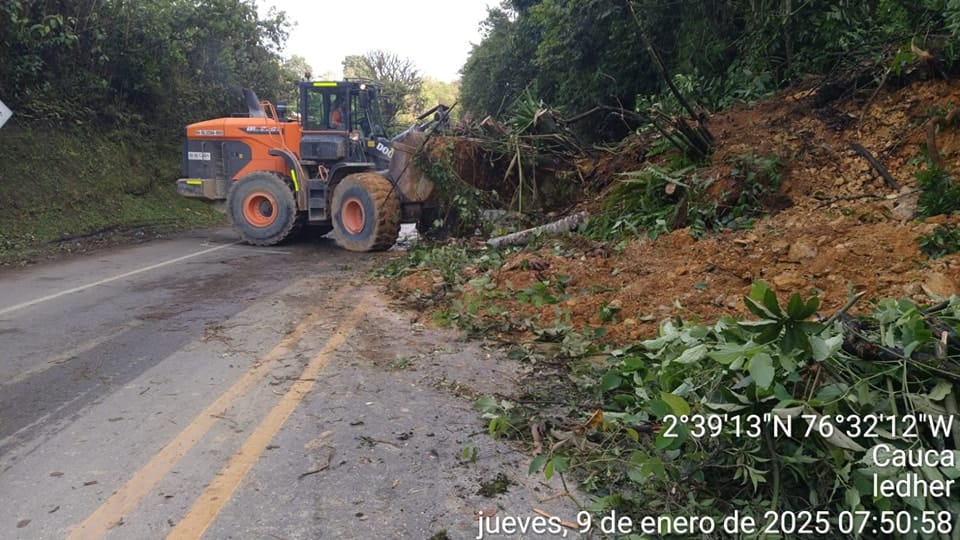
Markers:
{"x": 281, "y": 109}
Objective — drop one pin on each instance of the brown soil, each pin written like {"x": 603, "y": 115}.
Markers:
{"x": 846, "y": 228}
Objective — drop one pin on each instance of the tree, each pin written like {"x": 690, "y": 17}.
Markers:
{"x": 297, "y": 67}
{"x": 400, "y": 78}
{"x": 152, "y": 65}
{"x": 577, "y": 54}
{"x": 434, "y": 92}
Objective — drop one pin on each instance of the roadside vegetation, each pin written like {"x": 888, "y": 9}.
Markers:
{"x": 750, "y": 414}
{"x": 104, "y": 188}
{"x": 101, "y": 93}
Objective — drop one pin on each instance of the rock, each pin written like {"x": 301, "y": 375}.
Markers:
{"x": 936, "y": 220}
{"x": 789, "y": 281}
{"x": 939, "y": 285}
{"x": 913, "y": 289}
{"x": 904, "y": 207}
{"x": 801, "y": 250}
{"x": 779, "y": 246}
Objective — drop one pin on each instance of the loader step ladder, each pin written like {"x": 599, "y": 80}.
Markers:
{"x": 317, "y": 200}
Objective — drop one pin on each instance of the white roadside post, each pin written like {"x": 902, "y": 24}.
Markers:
{"x": 5, "y": 114}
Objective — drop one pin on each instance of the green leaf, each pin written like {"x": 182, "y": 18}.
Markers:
{"x": 486, "y": 404}
{"x": 548, "y": 470}
{"x": 757, "y": 309}
{"x": 664, "y": 443}
{"x": 770, "y": 302}
{"x": 693, "y": 354}
{"x": 759, "y": 326}
{"x": 952, "y": 472}
{"x": 726, "y": 353}
{"x": 810, "y": 327}
{"x": 796, "y": 307}
{"x": 794, "y": 339}
{"x": 632, "y": 364}
{"x": 759, "y": 289}
{"x": 643, "y": 466}
{"x": 779, "y": 391}
{"x": 940, "y": 391}
{"x": 788, "y": 362}
{"x": 852, "y": 497}
{"x": 770, "y": 334}
{"x": 611, "y": 380}
{"x": 813, "y": 303}
{"x": 677, "y": 404}
{"x": 655, "y": 467}
{"x": 761, "y": 369}
{"x": 767, "y": 330}
{"x": 658, "y": 408}
{"x": 837, "y": 437}
{"x": 823, "y": 349}
{"x": 537, "y": 464}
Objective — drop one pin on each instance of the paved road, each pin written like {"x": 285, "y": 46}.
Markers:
{"x": 198, "y": 387}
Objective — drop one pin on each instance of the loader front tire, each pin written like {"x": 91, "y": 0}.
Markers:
{"x": 366, "y": 212}
{"x": 262, "y": 208}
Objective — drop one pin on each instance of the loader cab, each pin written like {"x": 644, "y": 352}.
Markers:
{"x": 341, "y": 121}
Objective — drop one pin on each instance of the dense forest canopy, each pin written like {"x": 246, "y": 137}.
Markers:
{"x": 576, "y": 54}
{"x": 159, "y": 64}
{"x": 148, "y": 64}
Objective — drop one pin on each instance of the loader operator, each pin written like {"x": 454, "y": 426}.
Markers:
{"x": 338, "y": 116}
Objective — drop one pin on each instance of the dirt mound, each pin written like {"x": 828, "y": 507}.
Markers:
{"x": 847, "y": 228}
{"x": 796, "y": 251}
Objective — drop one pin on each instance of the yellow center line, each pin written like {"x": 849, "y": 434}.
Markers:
{"x": 125, "y": 499}
{"x": 221, "y": 489}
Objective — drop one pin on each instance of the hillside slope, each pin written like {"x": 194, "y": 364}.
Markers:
{"x": 63, "y": 188}
{"x": 843, "y": 227}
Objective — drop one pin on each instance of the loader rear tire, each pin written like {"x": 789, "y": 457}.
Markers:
{"x": 366, "y": 212}
{"x": 262, "y": 208}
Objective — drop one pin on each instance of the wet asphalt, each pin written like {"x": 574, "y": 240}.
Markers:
{"x": 199, "y": 387}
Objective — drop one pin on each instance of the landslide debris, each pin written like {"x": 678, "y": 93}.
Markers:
{"x": 836, "y": 225}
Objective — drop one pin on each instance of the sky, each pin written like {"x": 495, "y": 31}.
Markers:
{"x": 435, "y": 34}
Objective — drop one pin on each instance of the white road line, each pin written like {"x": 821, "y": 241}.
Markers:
{"x": 258, "y": 250}
{"x": 54, "y": 296}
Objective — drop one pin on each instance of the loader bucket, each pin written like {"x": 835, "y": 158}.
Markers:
{"x": 411, "y": 182}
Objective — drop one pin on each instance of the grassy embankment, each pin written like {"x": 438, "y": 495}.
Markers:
{"x": 63, "y": 186}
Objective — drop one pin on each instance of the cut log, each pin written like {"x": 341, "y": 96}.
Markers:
{"x": 492, "y": 127}
{"x": 525, "y": 236}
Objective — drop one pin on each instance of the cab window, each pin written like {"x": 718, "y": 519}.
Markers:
{"x": 324, "y": 110}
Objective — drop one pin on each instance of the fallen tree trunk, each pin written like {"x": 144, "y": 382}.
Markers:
{"x": 525, "y": 236}
{"x": 876, "y": 165}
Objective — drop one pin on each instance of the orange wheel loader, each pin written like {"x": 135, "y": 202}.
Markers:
{"x": 331, "y": 167}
